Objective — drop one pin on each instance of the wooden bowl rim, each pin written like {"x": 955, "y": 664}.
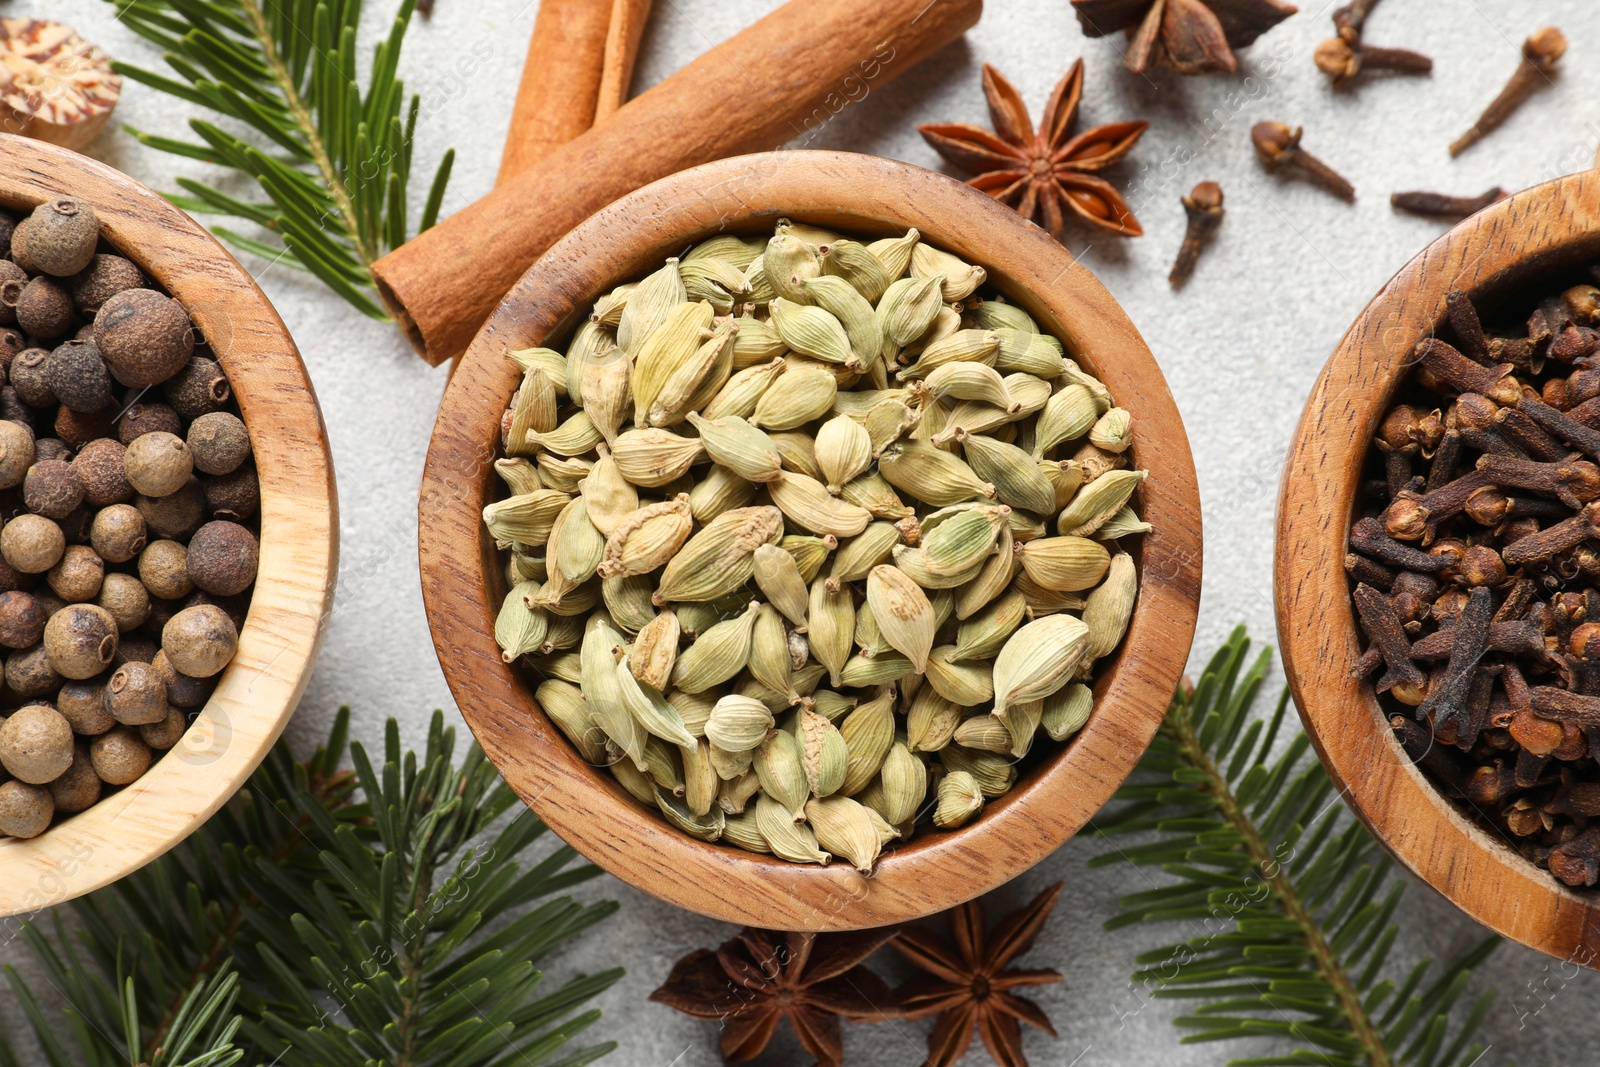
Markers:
{"x": 1533, "y": 231}
{"x": 258, "y": 691}
{"x": 588, "y": 809}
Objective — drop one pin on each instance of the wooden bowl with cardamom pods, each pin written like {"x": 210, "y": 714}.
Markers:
{"x": 1498, "y": 257}
{"x": 464, "y": 582}
{"x": 257, "y": 692}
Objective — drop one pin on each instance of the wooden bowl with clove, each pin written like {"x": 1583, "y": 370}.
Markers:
{"x": 464, "y": 583}
{"x": 258, "y": 691}
{"x": 1501, "y": 260}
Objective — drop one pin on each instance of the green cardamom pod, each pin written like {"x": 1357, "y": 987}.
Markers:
{"x": 843, "y": 450}
{"x": 737, "y": 399}
{"x": 628, "y": 601}
{"x": 801, "y": 394}
{"x": 563, "y": 703}
{"x": 717, "y": 561}
{"x": 984, "y": 733}
{"x": 787, "y": 838}
{"x": 1125, "y": 523}
{"x": 718, "y": 491}
{"x": 783, "y": 777}
{"x": 646, "y": 704}
{"x": 527, "y": 519}
{"x": 739, "y": 446}
{"x": 905, "y": 617}
{"x": 1066, "y": 710}
{"x": 769, "y": 653}
{"x": 778, "y": 576}
{"x": 961, "y": 279}
{"x": 786, "y": 263}
{"x": 1039, "y": 659}
{"x": 603, "y": 691}
{"x": 1032, "y": 353}
{"x": 1067, "y": 416}
{"x": 670, "y": 347}
{"x": 967, "y": 683}
{"x": 756, "y": 343}
{"x": 519, "y": 475}
{"x": 857, "y": 556}
{"x": 697, "y": 380}
{"x": 868, "y": 733}
{"x": 960, "y": 801}
{"x": 1064, "y": 564}
{"x": 994, "y": 774}
{"x": 648, "y": 307}
{"x": 730, "y": 247}
{"x": 1096, "y": 502}
{"x": 807, "y": 503}
{"x": 931, "y": 721}
{"x": 852, "y": 311}
{"x": 646, "y": 539}
{"x": 574, "y": 550}
{"x": 553, "y": 363}
{"x": 872, "y": 492}
{"x": 962, "y": 346}
{"x": 655, "y": 650}
{"x": 738, "y": 723}
{"x": 716, "y": 655}
{"x": 895, "y": 252}
{"x": 999, "y": 315}
{"x": 847, "y": 829}
{"x": 985, "y": 633}
{"x": 716, "y": 281}
{"x": 809, "y": 553}
{"x": 823, "y": 753}
{"x": 832, "y": 615}
{"x": 1017, "y": 477}
{"x": 741, "y": 831}
{"x": 700, "y": 781}
{"x": 519, "y": 629}
{"x": 1109, "y": 607}
{"x": 706, "y": 827}
{"x": 855, "y": 263}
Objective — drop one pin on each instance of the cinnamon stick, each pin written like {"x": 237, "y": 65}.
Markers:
{"x": 621, "y": 52}
{"x": 561, "y": 81}
{"x": 775, "y": 81}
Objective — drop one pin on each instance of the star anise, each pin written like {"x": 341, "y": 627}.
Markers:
{"x": 758, "y": 979}
{"x": 968, "y": 985}
{"x": 1046, "y": 174}
{"x": 1191, "y": 36}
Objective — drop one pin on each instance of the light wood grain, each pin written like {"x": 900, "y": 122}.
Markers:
{"x": 258, "y": 691}
{"x": 1545, "y": 228}
{"x": 463, "y": 586}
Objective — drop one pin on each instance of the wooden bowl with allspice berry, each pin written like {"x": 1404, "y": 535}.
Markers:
{"x": 167, "y": 536}
{"x": 817, "y": 554}
{"x": 1438, "y": 566}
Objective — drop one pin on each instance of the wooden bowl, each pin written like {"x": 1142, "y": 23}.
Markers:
{"x": 1532, "y": 234}
{"x": 463, "y": 583}
{"x": 258, "y": 691}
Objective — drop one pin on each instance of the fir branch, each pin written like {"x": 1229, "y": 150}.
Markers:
{"x": 377, "y": 915}
{"x": 1303, "y": 895}
{"x": 337, "y": 176}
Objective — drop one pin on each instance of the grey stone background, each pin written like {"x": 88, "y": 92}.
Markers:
{"x": 1240, "y": 347}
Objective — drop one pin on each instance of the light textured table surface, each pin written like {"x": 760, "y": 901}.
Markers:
{"x": 1241, "y": 346}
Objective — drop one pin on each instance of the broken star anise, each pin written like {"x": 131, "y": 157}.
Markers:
{"x": 1048, "y": 173}
{"x": 758, "y": 979}
{"x": 1190, "y": 36}
{"x": 968, "y": 985}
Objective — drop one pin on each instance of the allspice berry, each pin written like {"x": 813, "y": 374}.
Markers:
{"x": 35, "y": 744}
{"x": 78, "y": 428}
{"x": 126, "y": 598}
{"x": 27, "y": 375}
{"x": 102, "y": 279}
{"x": 164, "y": 569}
{"x": 83, "y": 704}
{"x": 198, "y": 641}
{"x": 51, "y": 488}
{"x": 141, "y": 419}
{"x": 219, "y": 442}
{"x": 166, "y": 733}
{"x": 80, "y": 640}
{"x": 79, "y": 576}
{"x": 29, "y": 674}
{"x": 78, "y": 788}
{"x": 44, "y": 309}
{"x": 21, "y": 620}
{"x": 32, "y": 543}
{"x": 62, "y": 236}
{"x": 144, "y": 336}
{"x": 101, "y": 471}
{"x": 200, "y": 387}
{"x": 10, "y": 273}
{"x": 183, "y": 690}
{"x": 51, "y": 448}
{"x": 120, "y": 756}
{"x": 176, "y": 515}
{"x": 11, "y": 342}
{"x": 136, "y": 695}
{"x": 158, "y": 464}
{"x": 16, "y": 453}
{"x": 222, "y": 558}
{"x": 117, "y": 533}
{"x": 78, "y": 376}
{"x": 25, "y": 810}
{"x": 234, "y": 496}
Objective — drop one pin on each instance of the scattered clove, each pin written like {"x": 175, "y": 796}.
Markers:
{"x": 1203, "y": 205}
{"x": 1443, "y": 205}
{"x": 1342, "y": 61}
{"x": 1278, "y": 147}
{"x": 1540, "y": 53}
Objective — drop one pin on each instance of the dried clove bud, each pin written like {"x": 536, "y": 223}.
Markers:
{"x": 1443, "y": 205}
{"x": 1540, "y": 53}
{"x": 1341, "y": 60}
{"x": 1203, "y": 206}
{"x": 1278, "y": 147}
